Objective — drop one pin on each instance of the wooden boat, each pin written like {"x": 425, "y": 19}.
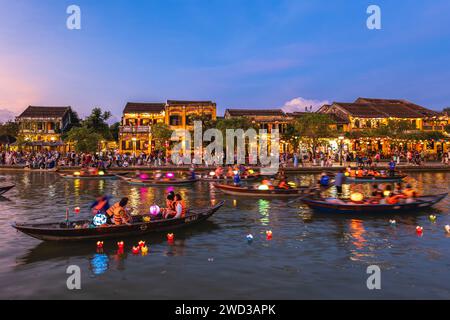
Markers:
{"x": 64, "y": 232}
{"x": 396, "y": 178}
{"x": 162, "y": 182}
{"x": 3, "y": 190}
{"x": 255, "y": 192}
{"x": 86, "y": 176}
{"x": 324, "y": 206}
{"x": 40, "y": 170}
{"x": 223, "y": 178}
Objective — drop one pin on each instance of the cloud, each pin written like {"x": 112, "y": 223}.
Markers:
{"x": 6, "y": 115}
{"x": 299, "y": 104}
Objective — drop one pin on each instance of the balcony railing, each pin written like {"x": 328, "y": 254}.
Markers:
{"x": 135, "y": 129}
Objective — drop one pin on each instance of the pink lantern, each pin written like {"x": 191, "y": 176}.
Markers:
{"x": 170, "y": 175}
{"x": 143, "y": 176}
{"x": 155, "y": 210}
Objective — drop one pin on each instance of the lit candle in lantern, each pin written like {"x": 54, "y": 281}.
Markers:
{"x": 99, "y": 244}
{"x": 433, "y": 218}
{"x": 136, "y": 250}
{"x": 419, "y": 230}
{"x": 144, "y": 250}
{"x": 120, "y": 245}
{"x": 141, "y": 244}
{"x": 77, "y": 210}
{"x": 269, "y": 234}
{"x": 170, "y": 237}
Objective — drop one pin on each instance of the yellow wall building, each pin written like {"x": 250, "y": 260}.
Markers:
{"x": 135, "y": 135}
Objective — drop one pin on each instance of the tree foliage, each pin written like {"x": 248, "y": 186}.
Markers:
{"x": 234, "y": 123}
{"x": 97, "y": 122}
{"x": 85, "y": 140}
{"x": 9, "y": 128}
{"x": 161, "y": 133}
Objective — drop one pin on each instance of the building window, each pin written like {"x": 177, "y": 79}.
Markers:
{"x": 175, "y": 120}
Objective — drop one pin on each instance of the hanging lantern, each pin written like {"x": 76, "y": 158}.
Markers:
{"x": 155, "y": 210}
{"x": 77, "y": 173}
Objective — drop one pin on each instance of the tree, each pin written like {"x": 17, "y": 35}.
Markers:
{"x": 234, "y": 123}
{"x": 395, "y": 128}
{"x": 114, "y": 131}
{"x": 97, "y": 122}
{"x": 85, "y": 140}
{"x": 9, "y": 128}
{"x": 446, "y": 111}
{"x": 161, "y": 133}
{"x": 291, "y": 136}
{"x": 314, "y": 126}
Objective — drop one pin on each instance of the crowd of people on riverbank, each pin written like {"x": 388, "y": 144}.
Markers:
{"x": 53, "y": 159}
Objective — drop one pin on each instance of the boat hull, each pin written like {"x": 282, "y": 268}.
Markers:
{"x": 380, "y": 209}
{"x": 3, "y": 190}
{"x": 248, "y": 192}
{"x": 375, "y": 179}
{"x": 71, "y": 176}
{"x": 57, "y": 232}
{"x": 156, "y": 183}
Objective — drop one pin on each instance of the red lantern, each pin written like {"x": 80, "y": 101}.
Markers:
{"x": 141, "y": 244}
{"x": 419, "y": 230}
{"x": 99, "y": 244}
{"x": 136, "y": 250}
{"x": 269, "y": 235}
{"x": 77, "y": 210}
{"x": 170, "y": 237}
{"x": 120, "y": 245}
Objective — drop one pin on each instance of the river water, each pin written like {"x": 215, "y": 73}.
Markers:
{"x": 310, "y": 256}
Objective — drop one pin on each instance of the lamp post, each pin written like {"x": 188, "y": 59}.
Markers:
{"x": 341, "y": 140}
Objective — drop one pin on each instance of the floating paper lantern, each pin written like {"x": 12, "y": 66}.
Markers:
{"x": 433, "y": 218}
{"x": 155, "y": 210}
{"x": 101, "y": 173}
{"x": 249, "y": 238}
{"x": 212, "y": 173}
{"x": 136, "y": 250}
{"x": 77, "y": 210}
{"x": 269, "y": 234}
{"x": 99, "y": 244}
{"x": 447, "y": 229}
{"x": 141, "y": 244}
{"x": 292, "y": 184}
{"x": 170, "y": 175}
{"x": 419, "y": 230}
{"x": 357, "y": 197}
{"x": 263, "y": 187}
{"x": 99, "y": 219}
{"x": 120, "y": 245}
{"x": 77, "y": 173}
{"x": 146, "y": 219}
{"x": 144, "y": 250}
{"x": 170, "y": 237}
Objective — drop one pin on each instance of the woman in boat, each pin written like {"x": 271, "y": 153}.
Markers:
{"x": 118, "y": 213}
{"x": 219, "y": 172}
{"x": 180, "y": 208}
{"x": 409, "y": 193}
{"x": 170, "y": 206}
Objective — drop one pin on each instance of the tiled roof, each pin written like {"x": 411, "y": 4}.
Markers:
{"x": 253, "y": 112}
{"x": 44, "y": 112}
{"x": 335, "y": 117}
{"x": 181, "y": 102}
{"x": 134, "y": 107}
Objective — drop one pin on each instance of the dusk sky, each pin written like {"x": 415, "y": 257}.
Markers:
{"x": 238, "y": 53}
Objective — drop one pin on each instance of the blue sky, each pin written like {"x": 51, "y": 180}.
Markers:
{"x": 239, "y": 53}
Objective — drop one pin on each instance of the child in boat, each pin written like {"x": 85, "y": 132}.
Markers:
{"x": 170, "y": 206}
{"x": 118, "y": 213}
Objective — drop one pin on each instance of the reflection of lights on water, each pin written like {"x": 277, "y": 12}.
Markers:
{"x": 101, "y": 185}
{"x": 26, "y": 180}
{"x": 51, "y": 191}
{"x": 264, "y": 208}
{"x": 357, "y": 232}
{"x": 99, "y": 263}
{"x": 234, "y": 203}
{"x": 134, "y": 198}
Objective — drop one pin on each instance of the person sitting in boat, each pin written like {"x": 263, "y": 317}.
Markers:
{"x": 180, "y": 208}
{"x": 218, "y": 172}
{"x": 192, "y": 174}
{"x": 324, "y": 180}
{"x": 409, "y": 192}
{"x": 237, "y": 179}
{"x": 398, "y": 189}
{"x": 230, "y": 172}
{"x": 169, "y": 210}
{"x": 390, "y": 197}
{"x": 267, "y": 183}
{"x": 118, "y": 213}
{"x": 101, "y": 205}
{"x": 283, "y": 185}
{"x": 377, "y": 192}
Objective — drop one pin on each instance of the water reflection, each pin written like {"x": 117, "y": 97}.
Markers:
{"x": 264, "y": 211}
{"x": 99, "y": 263}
